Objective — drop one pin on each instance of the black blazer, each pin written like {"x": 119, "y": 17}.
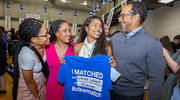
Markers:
{"x": 2, "y": 50}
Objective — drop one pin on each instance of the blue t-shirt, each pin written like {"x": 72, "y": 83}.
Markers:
{"x": 86, "y": 78}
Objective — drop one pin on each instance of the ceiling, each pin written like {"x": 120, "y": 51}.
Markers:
{"x": 74, "y": 4}
{"x": 150, "y": 4}
{"x": 154, "y": 4}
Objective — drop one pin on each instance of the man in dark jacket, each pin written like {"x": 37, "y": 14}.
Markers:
{"x": 176, "y": 43}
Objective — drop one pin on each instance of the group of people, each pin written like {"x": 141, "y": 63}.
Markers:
{"x": 6, "y": 41}
{"x": 28, "y": 78}
{"x": 133, "y": 52}
{"x": 3, "y": 59}
{"x": 171, "y": 75}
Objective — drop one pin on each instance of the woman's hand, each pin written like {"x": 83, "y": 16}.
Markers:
{"x": 170, "y": 62}
{"x": 62, "y": 61}
{"x": 164, "y": 51}
{"x": 112, "y": 61}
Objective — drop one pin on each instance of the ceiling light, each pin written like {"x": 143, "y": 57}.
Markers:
{"x": 165, "y": 1}
{"x": 46, "y": 0}
{"x": 85, "y": 3}
{"x": 63, "y": 0}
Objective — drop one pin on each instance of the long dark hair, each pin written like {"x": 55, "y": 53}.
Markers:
{"x": 1, "y": 36}
{"x": 166, "y": 43}
{"x": 100, "y": 45}
{"x": 54, "y": 28}
{"x": 27, "y": 29}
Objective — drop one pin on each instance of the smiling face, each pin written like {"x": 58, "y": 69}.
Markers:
{"x": 63, "y": 34}
{"x": 106, "y": 30}
{"x": 94, "y": 29}
{"x": 43, "y": 38}
{"x": 126, "y": 19}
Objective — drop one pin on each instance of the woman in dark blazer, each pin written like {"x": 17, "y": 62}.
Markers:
{"x": 3, "y": 63}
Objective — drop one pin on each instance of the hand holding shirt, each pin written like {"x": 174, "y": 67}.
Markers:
{"x": 86, "y": 78}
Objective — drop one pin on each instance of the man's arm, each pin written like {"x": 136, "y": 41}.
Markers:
{"x": 156, "y": 67}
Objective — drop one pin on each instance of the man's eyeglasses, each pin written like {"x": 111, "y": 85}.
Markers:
{"x": 122, "y": 15}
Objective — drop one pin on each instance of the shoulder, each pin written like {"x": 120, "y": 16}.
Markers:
{"x": 151, "y": 43}
{"x": 77, "y": 48}
{"x": 152, "y": 39}
{"x": 117, "y": 36}
{"x": 49, "y": 48}
{"x": 73, "y": 43}
{"x": 79, "y": 45}
{"x": 148, "y": 38}
{"x": 25, "y": 51}
{"x": 172, "y": 43}
{"x": 26, "y": 54}
{"x": 147, "y": 35}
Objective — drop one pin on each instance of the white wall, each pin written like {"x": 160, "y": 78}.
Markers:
{"x": 166, "y": 21}
{"x": 114, "y": 28}
{"x": 147, "y": 25}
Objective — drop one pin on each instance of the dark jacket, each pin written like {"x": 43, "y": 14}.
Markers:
{"x": 2, "y": 50}
{"x": 173, "y": 46}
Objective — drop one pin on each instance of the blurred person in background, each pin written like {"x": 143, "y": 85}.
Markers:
{"x": 175, "y": 93}
{"x": 175, "y": 43}
{"x": 166, "y": 43}
{"x": 77, "y": 37}
{"x": 106, "y": 30}
{"x": 3, "y": 60}
{"x": 5, "y": 37}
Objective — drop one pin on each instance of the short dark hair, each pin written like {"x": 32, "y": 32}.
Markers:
{"x": 177, "y": 37}
{"x": 139, "y": 8}
{"x": 2, "y": 29}
{"x": 12, "y": 30}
